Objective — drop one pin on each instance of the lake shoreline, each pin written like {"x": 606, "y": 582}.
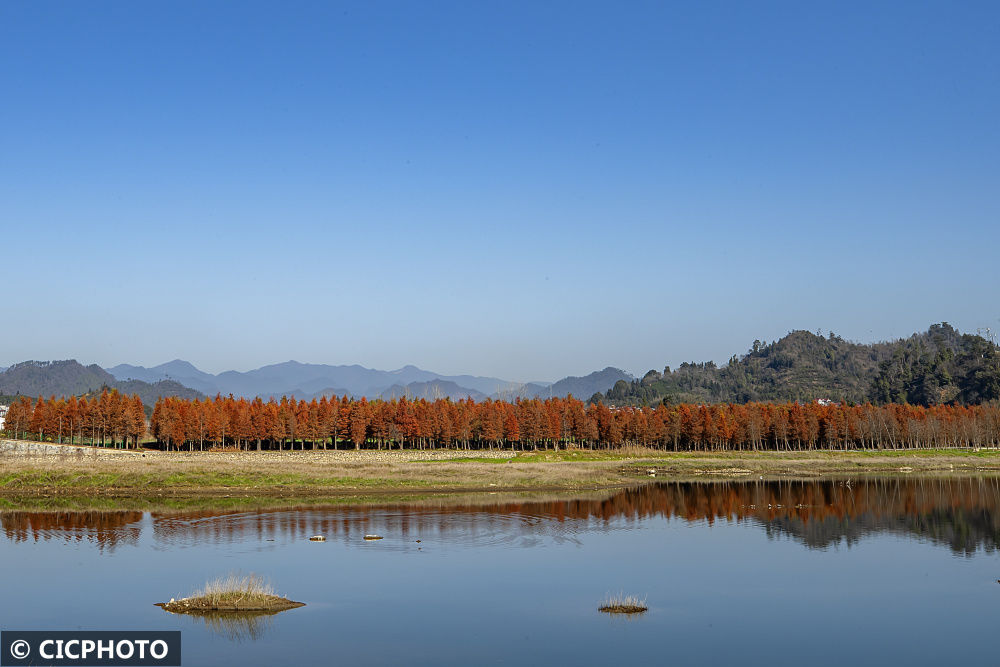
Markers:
{"x": 342, "y": 474}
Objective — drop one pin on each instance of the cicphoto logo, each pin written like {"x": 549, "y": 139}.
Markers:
{"x": 39, "y": 647}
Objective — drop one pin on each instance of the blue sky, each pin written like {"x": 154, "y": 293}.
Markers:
{"x": 526, "y": 190}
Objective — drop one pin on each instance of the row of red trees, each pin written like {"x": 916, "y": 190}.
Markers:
{"x": 556, "y": 422}
{"x": 110, "y": 419}
{"x": 553, "y": 423}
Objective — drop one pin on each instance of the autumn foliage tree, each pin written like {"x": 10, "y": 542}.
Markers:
{"x": 113, "y": 419}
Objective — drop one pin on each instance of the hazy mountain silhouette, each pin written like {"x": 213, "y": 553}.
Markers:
{"x": 71, "y": 378}
{"x": 432, "y": 390}
{"x": 294, "y": 378}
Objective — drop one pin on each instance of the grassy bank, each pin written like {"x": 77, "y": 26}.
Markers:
{"x": 247, "y": 502}
{"x": 304, "y": 475}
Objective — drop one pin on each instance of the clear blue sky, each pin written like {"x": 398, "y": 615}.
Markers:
{"x": 526, "y": 190}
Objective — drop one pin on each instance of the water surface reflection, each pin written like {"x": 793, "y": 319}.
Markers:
{"x": 961, "y": 514}
{"x": 105, "y": 529}
{"x": 236, "y": 626}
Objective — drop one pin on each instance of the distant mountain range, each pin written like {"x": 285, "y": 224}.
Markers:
{"x": 308, "y": 381}
{"x": 304, "y": 381}
{"x": 70, "y": 378}
{"x": 940, "y": 365}
{"x": 585, "y": 387}
{"x": 431, "y": 390}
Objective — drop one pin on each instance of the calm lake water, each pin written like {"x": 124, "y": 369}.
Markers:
{"x": 894, "y": 571}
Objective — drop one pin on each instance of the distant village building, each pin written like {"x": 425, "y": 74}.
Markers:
{"x": 826, "y": 402}
{"x": 3, "y": 415}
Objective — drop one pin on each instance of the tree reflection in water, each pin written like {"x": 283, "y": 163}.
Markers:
{"x": 961, "y": 513}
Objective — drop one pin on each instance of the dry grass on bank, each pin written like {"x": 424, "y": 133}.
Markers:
{"x": 289, "y": 472}
{"x": 333, "y": 473}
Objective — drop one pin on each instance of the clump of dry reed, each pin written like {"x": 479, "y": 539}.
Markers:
{"x": 620, "y": 603}
{"x": 235, "y": 588}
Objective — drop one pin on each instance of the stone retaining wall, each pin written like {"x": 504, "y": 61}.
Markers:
{"x": 28, "y": 448}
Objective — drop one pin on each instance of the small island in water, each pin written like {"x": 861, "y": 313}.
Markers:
{"x": 623, "y": 604}
{"x": 232, "y": 593}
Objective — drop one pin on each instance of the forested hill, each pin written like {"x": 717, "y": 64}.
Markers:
{"x": 938, "y": 366}
{"x": 583, "y": 386}
{"x": 45, "y": 378}
{"x": 71, "y": 378}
